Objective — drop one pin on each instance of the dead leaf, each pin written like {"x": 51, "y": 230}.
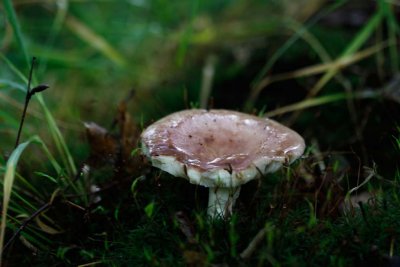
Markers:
{"x": 46, "y": 228}
{"x": 103, "y": 147}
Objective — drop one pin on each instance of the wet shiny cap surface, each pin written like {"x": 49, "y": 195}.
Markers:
{"x": 221, "y": 139}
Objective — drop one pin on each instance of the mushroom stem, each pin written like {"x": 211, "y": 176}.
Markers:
{"x": 221, "y": 201}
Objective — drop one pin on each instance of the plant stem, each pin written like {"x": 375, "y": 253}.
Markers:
{"x": 27, "y": 98}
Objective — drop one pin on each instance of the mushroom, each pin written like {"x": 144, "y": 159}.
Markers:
{"x": 219, "y": 149}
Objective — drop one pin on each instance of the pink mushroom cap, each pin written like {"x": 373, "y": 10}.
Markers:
{"x": 219, "y": 147}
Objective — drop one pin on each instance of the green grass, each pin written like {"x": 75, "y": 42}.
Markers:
{"x": 294, "y": 235}
{"x": 318, "y": 74}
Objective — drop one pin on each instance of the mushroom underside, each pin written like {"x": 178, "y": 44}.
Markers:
{"x": 224, "y": 184}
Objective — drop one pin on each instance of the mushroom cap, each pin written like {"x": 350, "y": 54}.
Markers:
{"x": 219, "y": 148}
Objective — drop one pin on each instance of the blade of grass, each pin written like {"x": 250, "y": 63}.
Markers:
{"x": 22, "y": 200}
{"x": 11, "y": 84}
{"x": 325, "y": 57}
{"x": 320, "y": 68}
{"x": 317, "y": 101}
{"x": 58, "y": 139}
{"x": 184, "y": 42}
{"x": 50, "y": 157}
{"x": 25, "y": 224}
{"x": 31, "y": 234}
{"x": 47, "y": 228}
{"x": 207, "y": 80}
{"x": 14, "y": 68}
{"x": 352, "y": 48}
{"x": 18, "y": 105}
{"x": 27, "y": 185}
{"x": 94, "y": 40}
{"x": 54, "y": 130}
{"x": 360, "y": 39}
{"x": 8, "y": 120}
{"x": 380, "y": 56}
{"x": 298, "y": 34}
{"x": 9, "y": 176}
{"x": 65, "y": 58}
{"x": 59, "y": 18}
{"x": 12, "y": 18}
{"x": 315, "y": 44}
{"x": 392, "y": 26}
{"x": 7, "y": 189}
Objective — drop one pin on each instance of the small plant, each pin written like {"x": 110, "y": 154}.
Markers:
{"x": 11, "y": 168}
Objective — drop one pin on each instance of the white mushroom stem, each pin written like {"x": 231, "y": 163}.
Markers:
{"x": 221, "y": 201}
